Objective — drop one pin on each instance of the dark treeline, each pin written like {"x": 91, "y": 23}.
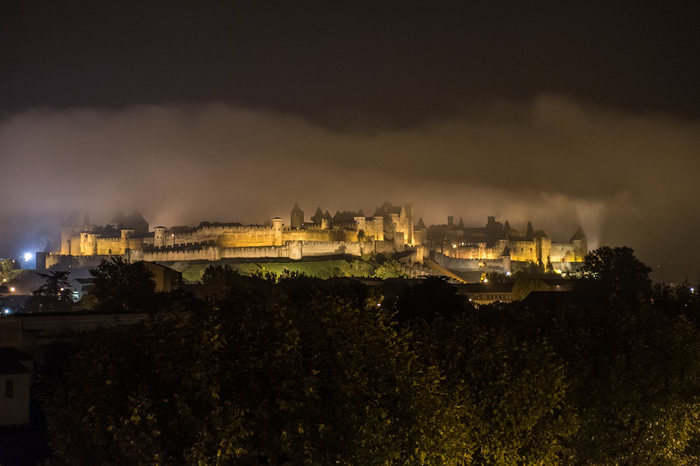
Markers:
{"x": 292, "y": 370}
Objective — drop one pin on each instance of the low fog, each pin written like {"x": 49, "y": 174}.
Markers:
{"x": 627, "y": 179}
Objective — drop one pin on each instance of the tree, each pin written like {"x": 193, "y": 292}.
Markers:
{"x": 54, "y": 295}
{"x": 632, "y": 375}
{"x": 7, "y": 266}
{"x": 509, "y": 393}
{"x": 218, "y": 281}
{"x": 323, "y": 382}
{"x": 617, "y": 270}
{"x": 388, "y": 268}
{"x": 676, "y": 301}
{"x": 432, "y": 297}
{"x": 526, "y": 284}
{"x": 121, "y": 286}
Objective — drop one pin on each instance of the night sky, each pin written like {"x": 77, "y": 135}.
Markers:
{"x": 563, "y": 113}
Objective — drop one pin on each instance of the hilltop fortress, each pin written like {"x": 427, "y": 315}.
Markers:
{"x": 391, "y": 229}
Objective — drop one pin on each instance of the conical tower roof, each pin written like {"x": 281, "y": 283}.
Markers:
{"x": 73, "y": 219}
{"x": 530, "y": 230}
{"x": 578, "y": 235}
{"x": 318, "y": 216}
{"x": 296, "y": 209}
{"x": 118, "y": 217}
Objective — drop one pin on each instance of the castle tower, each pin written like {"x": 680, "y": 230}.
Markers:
{"x": 72, "y": 226}
{"x": 296, "y": 219}
{"x": 361, "y": 224}
{"x": 420, "y": 232}
{"x": 543, "y": 247}
{"x": 277, "y": 231}
{"x": 506, "y": 261}
{"x": 580, "y": 243}
{"x": 409, "y": 219}
{"x": 317, "y": 216}
{"x": 137, "y": 223}
{"x": 84, "y": 244}
{"x": 379, "y": 228}
{"x": 159, "y": 235}
{"x": 124, "y": 240}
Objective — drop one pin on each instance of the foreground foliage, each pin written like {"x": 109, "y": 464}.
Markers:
{"x": 285, "y": 369}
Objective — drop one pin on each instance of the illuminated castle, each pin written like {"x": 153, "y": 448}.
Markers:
{"x": 389, "y": 230}
{"x": 457, "y": 247}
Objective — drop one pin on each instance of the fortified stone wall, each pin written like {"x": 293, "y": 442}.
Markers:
{"x": 334, "y": 247}
{"x": 109, "y": 246}
{"x": 523, "y": 251}
{"x": 384, "y": 247}
{"x": 211, "y": 253}
{"x": 264, "y": 236}
{"x": 253, "y": 253}
{"x": 70, "y": 261}
{"x": 315, "y": 235}
{"x": 562, "y": 252}
{"x": 501, "y": 265}
{"x": 293, "y": 250}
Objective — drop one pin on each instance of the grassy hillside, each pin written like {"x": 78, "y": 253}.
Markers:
{"x": 350, "y": 267}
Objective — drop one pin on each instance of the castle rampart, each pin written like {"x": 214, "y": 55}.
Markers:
{"x": 390, "y": 230}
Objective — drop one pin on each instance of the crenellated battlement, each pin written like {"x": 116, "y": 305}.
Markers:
{"x": 389, "y": 230}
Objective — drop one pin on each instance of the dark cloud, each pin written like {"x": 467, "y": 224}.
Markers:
{"x": 393, "y": 62}
{"x": 629, "y": 179}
